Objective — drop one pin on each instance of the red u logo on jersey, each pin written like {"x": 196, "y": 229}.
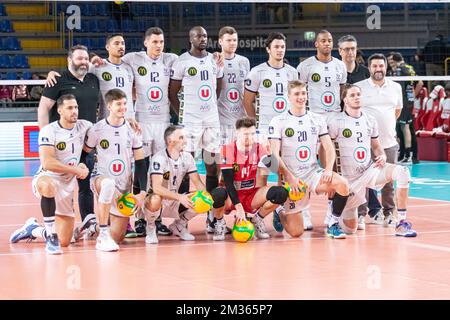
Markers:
{"x": 279, "y": 104}
{"x": 303, "y": 154}
{"x": 327, "y": 99}
{"x": 232, "y": 95}
{"x": 154, "y": 94}
{"x": 116, "y": 167}
{"x": 360, "y": 154}
{"x": 204, "y": 93}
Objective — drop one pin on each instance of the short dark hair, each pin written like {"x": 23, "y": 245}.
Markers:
{"x": 76, "y": 47}
{"x": 226, "y": 30}
{"x": 274, "y": 36}
{"x": 169, "y": 130}
{"x": 323, "y": 31}
{"x": 396, "y": 56}
{"x": 376, "y": 56}
{"x": 245, "y": 122}
{"x": 113, "y": 95}
{"x": 113, "y": 35}
{"x": 63, "y": 98}
{"x": 153, "y": 30}
{"x": 347, "y": 37}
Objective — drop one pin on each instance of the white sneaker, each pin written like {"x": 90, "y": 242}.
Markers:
{"x": 151, "y": 237}
{"x": 307, "y": 223}
{"x": 361, "y": 223}
{"x": 219, "y": 230}
{"x": 260, "y": 227}
{"x": 377, "y": 219}
{"x": 106, "y": 243}
{"x": 390, "y": 221}
{"x": 181, "y": 231}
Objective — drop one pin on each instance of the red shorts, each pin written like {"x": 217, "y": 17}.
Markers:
{"x": 246, "y": 197}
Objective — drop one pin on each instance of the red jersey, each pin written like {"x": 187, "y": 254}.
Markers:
{"x": 244, "y": 164}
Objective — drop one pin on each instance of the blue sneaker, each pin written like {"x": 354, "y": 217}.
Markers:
{"x": 276, "y": 222}
{"x": 335, "y": 232}
{"x": 52, "y": 244}
{"x": 404, "y": 229}
{"x": 25, "y": 232}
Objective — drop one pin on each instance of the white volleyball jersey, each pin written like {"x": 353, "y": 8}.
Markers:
{"x": 68, "y": 144}
{"x": 173, "y": 171}
{"x": 230, "y": 103}
{"x": 114, "y": 76}
{"x": 324, "y": 80}
{"x": 115, "y": 146}
{"x": 270, "y": 86}
{"x": 152, "y": 85}
{"x": 353, "y": 137}
{"x": 299, "y": 136}
{"x": 198, "y": 98}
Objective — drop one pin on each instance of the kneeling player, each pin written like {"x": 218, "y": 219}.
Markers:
{"x": 244, "y": 167}
{"x": 296, "y": 134}
{"x": 356, "y": 133}
{"x": 168, "y": 167}
{"x": 117, "y": 145}
{"x": 60, "y": 148}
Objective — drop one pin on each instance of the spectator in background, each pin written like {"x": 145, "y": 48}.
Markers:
{"x": 434, "y": 54}
{"x": 20, "y": 93}
{"x": 36, "y": 90}
{"x": 5, "y": 95}
{"x": 360, "y": 57}
{"x": 419, "y": 64}
{"x": 121, "y": 12}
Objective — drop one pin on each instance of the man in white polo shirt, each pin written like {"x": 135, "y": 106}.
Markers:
{"x": 383, "y": 99}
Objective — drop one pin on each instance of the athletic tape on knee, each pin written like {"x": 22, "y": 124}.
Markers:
{"x": 402, "y": 176}
{"x": 345, "y": 228}
{"x": 107, "y": 191}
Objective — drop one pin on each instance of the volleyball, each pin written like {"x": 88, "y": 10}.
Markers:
{"x": 119, "y": 2}
{"x": 302, "y": 191}
{"x": 202, "y": 200}
{"x": 243, "y": 231}
{"x": 126, "y": 204}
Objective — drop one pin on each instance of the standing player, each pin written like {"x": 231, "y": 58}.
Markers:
{"x": 230, "y": 102}
{"x": 198, "y": 76}
{"x": 60, "y": 148}
{"x": 117, "y": 146}
{"x": 356, "y": 134}
{"x": 245, "y": 165}
{"x": 325, "y": 77}
{"x": 168, "y": 168}
{"x": 296, "y": 134}
{"x": 266, "y": 84}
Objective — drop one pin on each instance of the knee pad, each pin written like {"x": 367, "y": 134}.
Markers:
{"x": 277, "y": 195}
{"x": 108, "y": 186}
{"x": 219, "y": 196}
{"x": 402, "y": 176}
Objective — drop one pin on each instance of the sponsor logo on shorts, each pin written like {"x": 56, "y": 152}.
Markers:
{"x": 315, "y": 77}
{"x": 61, "y": 146}
{"x": 267, "y": 83}
{"x": 192, "y": 71}
{"x": 142, "y": 71}
{"x": 289, "y": 132}
{"x": 347, "y": 133}
{"x": 104, "y": 144}
{"x": 106, "y": 76}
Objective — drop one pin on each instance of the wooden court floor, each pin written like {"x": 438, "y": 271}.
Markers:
{"x": 373, "y": 264}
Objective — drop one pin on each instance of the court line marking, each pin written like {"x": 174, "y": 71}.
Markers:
{"x": 222, "y": 243}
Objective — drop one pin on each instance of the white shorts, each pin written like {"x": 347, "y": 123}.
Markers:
{"x": 64, "y": 193}
{"x": 227, "y": 134}
{"x": 201, "y": 138}
{"x": 117, "y": 194}
{"x": 153, "y": 137}
{"x": 169, "y": 209}
{"x": 373, "y": 178}
{"x": 312, "y": 180}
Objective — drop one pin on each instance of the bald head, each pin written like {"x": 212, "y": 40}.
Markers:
{"x": 198, "y": 38}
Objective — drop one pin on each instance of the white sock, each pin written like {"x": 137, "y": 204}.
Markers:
{"x": 333, "y": 220}
{"x": 39, "y": 232}
{"x": 104, "y": 230}
{"x": 401, "y": 214}
{"x": 49, "y": 223}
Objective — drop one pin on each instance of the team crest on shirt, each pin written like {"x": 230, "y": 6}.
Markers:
{"x": 315, "y": 77}
{"x": 232, "y": 95}
{"x": 104, "y": 144}
{"x": 72, "y": 162}
{"x": 327, "y": 99}
{"x": 106, "y": 76}
{"x": 142, "y": 71}
{"x": 303, "y": 154}
{"x": 154, "y": 94}
{"x": 236, "y": 167}
{"x": 205, "y": 92}
{"x": 116, "y": 167}
{"x": 360, "y": 154}
{"x": 61, "y": 146}
{"x": 267, "y": 83}
{"x": 166, "y": 175}
{"x": 156, "y": 165}
{"x": 192, "y": 71}
{"x": 279, "y": 104}
{"x": 347, "y": 133}
{"x": 289, "y": 132}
